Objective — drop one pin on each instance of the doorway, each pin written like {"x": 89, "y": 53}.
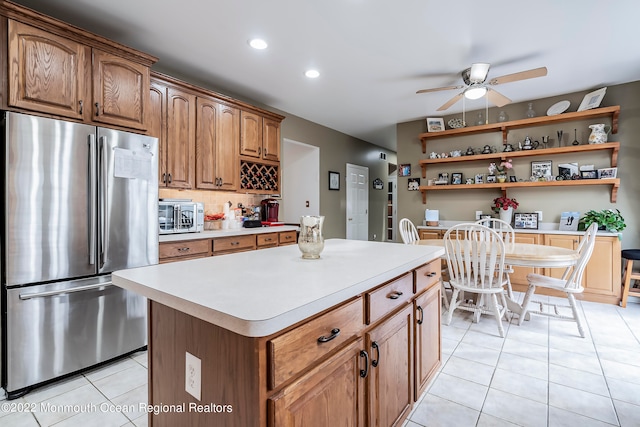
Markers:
{"x": 357, "y": 202}
{"x": 299, "y": 196}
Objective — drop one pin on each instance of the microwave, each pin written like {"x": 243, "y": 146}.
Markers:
{"x": 180, "y": 216}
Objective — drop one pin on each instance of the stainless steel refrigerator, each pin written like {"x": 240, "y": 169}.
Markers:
{"x": 78, "y": 202}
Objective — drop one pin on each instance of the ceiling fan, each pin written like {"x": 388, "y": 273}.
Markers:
{"x": 476, "y": 84}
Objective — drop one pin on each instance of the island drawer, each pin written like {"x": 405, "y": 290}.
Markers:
{"x": 234, "y": 243}
{"x": 296, "y": 350}
{"x": 427, "y": 275}
{"x": 188, "y": 248}
{"x": 287, "y": 237}
{"x": 267, "y": 239}
{"x": 387, "y": 298}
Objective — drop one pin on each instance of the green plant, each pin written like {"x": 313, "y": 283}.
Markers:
{"x": 608, "y": 219}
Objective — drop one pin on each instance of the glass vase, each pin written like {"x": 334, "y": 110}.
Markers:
{"x": 311, "y": 242}
{"x": 530, "y": 112}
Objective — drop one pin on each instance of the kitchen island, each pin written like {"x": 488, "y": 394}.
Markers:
{"x": 350, "y": 339}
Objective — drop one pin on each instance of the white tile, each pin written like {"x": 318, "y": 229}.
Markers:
{"x": 56, "y": 388}
{"x": 516, "y": 409}
{"x": 582, "y": 402}
{"x": 528, "y": 335}
{"x": 109, "y": 369}
{"x": 458, "y": 390}
{"x": 133, "y": 399}
{"x": 628, "y": 414}
{"x": 483, "y": 340}
{"x": 581, "y": 380}
{"x": 618, "y": 355}
{"x": 478, "y": 354}
{"x": 64, "y": 405}
{"x": 142, "y": 421}
{"x": 122, "y": 382}
{"x": 520, "y": 385}
{"x": 104, "y": 416}
{"x": 469, "y": 370}
{"x": 487, "y": 420}
{"x": 575, "y": 345}
{"x": 561, "y": 418}
{"x": 624, "y": 391}
{"x": 434, "y": 411}
{"x": 528, "y": 350}
{"x": 19, "y": 419}
{"x": 142, "y": 358}
{"x": 575, "y": 360}
{"x": 449, "y": 345}
{"x": 524, "y": 365}
{"x": 621, "y": 371}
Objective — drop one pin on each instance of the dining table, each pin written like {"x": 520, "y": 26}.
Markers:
{"x": 525, "y": 255}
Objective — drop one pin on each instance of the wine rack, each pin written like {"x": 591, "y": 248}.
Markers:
{"x": 259, "y": 177}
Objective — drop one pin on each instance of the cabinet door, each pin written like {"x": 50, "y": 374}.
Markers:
{"x": 519, "y": 275}
{"x": 157, "y": 126}
{"x": 120, "y": 90}
{"x": 47, "y": 73}
{"x": 228, "y": 142}
{"x": 390, "y": 348}
{"x": 562, "y": 241}
{"x": 181, "y": 138}
{"x": 429, "y": 235}
{"x": 271, "y": 140}
{"x": 250, "y": 134}
{"x": 331, "y": 394}
{"x": 427, "y": 338}
{"x": 207, "y": 122}
{"x": 602, "y": 275}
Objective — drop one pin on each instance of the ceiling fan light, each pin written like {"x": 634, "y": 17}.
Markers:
{"x": 478, "y": 72}
{"x": 475, "y": 92}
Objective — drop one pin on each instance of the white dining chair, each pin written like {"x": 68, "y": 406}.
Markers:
{"x": 570, "y": 284}
{"x": 475, "y": 258}
{"x": 505, "y": 230}
{"x": 408, "y": 231}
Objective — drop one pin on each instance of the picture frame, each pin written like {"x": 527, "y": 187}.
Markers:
{"x": 443, "y": 177}
{"x": 589, "y": 174}
{"x": 413, "y": 184}
{"x": 378, "y": 184}
{"x": 567, "y": 170}
{"x": 491, "y": 179}
{"x": 541, "y": 168}
{"x": 479, "y": 178}
{"x": 569, "y": 221}
{"x": 334, "y": 180}
{"x": 404, "y": 170}
{"x": 456, "y": 178}
{"x": 526, "y": 221}
{"x": 435, "y": 124}
{"x": 607, "y": 173}
{"x": 513, "y": 178}
{"x": 592, "y": 99}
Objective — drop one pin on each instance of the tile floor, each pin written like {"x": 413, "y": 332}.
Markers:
{"x": 540, "y": 374}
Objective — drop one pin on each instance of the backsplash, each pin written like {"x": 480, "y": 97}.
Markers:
{"x": 212, "y": 200}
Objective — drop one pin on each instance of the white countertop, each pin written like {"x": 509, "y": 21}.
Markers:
{"x": 258, "y": 293}
{"x": 544, "y": 228}
{"x": 230, "y": 232}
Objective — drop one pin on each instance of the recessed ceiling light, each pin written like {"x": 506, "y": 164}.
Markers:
{"x": 258, "y": 44}
{"x": 312, "y": 74}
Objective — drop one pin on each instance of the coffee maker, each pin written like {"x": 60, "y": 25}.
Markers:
{"x": 269, "y": 210}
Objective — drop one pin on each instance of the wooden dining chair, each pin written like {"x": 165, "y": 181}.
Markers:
{"x": 408, "y": 231}
{"x": 475, "y": 257}
{"x": 505, "y": 230}
{"x": 570, "y": 284}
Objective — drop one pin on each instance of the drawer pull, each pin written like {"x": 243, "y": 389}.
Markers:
{"x": 430, "y": 274}
{"x": 364, "y": 372}
{"x": 394, "y": 295}
{"x": 334, "y": 333}
{"x": 268, "y": 239}
{"x": 186, "y": 248}
{"x": 376, "y": 347}
{"x": 419, "y": 322}
{"x": 235, "y": 243}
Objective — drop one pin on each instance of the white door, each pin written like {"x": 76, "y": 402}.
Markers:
{"x": 357, "y": 202}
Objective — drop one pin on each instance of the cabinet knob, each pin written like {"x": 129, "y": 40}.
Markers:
{"x": 81, "y": 106}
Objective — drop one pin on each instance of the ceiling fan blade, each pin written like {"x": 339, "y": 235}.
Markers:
{"x": 479, "y": 72}
{"x": 437, "y": 89}
{"x": 497, "y": 98}
{"x": 522, "y": 75}
{"x": 450, "y": 102}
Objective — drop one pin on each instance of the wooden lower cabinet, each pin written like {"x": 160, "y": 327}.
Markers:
{"x": 428, "y": 344}
{"x": 430, "y": 235}
{"x": 519, "y": 274}
{"x": 182, "y": 251}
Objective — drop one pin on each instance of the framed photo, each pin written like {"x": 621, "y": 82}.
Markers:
{"x": 479, "y": 178}
{"x": 526, "y": 221}
{"x": 541, "y": 168}
{"x": 567, "y": 170}
{"x": 378, "y": 184}
{"x": 405, "y": 170}
{"x": 512, "y": 178}
{"x": 607, "y": 173}
{"x": 413, "y": 184}
{"x": 569, "y": 221}
{"x": 491, "y": 179}
{"x": 443, "y": 176}
{"x": 592, "y": 99}
{"x": 456, "y": 178}
{"x": 435, "y": 124}
{"x": 334, "y": 180}
{"x": 589, "y": 174}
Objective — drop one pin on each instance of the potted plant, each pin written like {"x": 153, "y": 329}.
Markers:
{"x": 607, "y": 219}
{"x": 502, "y": 169}
{"x": 505, "y": 206}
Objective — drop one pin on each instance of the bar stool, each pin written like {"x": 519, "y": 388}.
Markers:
{"x": 630, "y": 255}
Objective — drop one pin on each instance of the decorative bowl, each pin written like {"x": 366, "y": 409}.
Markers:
{"x": 456, "y": 123}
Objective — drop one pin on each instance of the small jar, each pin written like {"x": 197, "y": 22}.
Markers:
{"x": 503, "y": 117}
{"x": 530, "y": 112}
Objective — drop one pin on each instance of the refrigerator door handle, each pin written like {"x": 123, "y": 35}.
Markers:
{"x": 92, "y": 199}
{"x": 103, "y": 194}
{"x": 64, "y": 291}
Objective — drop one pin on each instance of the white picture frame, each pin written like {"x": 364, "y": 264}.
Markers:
{"x": 592, "y": 99}
{"x": 607, "y": 173}
{"x": 435, "y": 124}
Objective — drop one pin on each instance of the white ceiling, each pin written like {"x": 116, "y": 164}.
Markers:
{"x": 372, "y": 54}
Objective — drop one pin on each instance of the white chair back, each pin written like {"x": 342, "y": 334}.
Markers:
{"x": 475, "y": 257}
{"x": 585, "y": 249}
{"x": 502, "y": 227}
{"x": 408, "y": 231}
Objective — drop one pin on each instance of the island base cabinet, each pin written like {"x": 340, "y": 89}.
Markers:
{"x": 427, "y": 338}
{"x": 331, "y": 394}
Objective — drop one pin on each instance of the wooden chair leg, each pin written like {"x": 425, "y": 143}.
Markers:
{"x": 626, "y": 283}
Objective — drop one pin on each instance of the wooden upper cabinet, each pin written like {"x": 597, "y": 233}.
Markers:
{"x": 271, "y": 140}
{"x": 250, "y": 134}
{"x": 181, "y": 138}
{"x": 120, "y": 90}
{"x": 157, "y": 125}
{"x": 227, "y": 162}
{"x": 47, "y": 73}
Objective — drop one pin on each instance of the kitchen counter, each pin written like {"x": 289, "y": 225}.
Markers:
{"x": 545, "y": 228}
{"x": 258, "y": 293}
{"x": 212, "y": 234}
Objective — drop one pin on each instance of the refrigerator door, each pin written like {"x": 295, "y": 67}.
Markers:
{"x": 59, "y": 328}
{"x": 127, "y": 200}
{"x": 49, "y": 212}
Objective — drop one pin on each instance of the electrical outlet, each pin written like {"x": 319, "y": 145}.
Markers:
{"x": 193, "y": 375}
{"x": 478, "y": 215}
{"x": 539, "y": 215}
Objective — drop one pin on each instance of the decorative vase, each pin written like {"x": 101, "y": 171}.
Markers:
{"x": 503, "y": 117}
{"x": 506, "y": 215}
{"x": 311, "y": 242}
{"x": 530, "y": 112}
{"x": 599, "y": 134}
{"x": 502, "y": 178}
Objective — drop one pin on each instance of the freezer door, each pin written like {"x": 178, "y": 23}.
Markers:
{"x": 48, "y": 191}
{"x": 127, "y": 200}
{"x": 59, "y": 328}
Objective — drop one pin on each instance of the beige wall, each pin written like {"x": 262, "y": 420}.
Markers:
{"x": 462, "y": 204}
